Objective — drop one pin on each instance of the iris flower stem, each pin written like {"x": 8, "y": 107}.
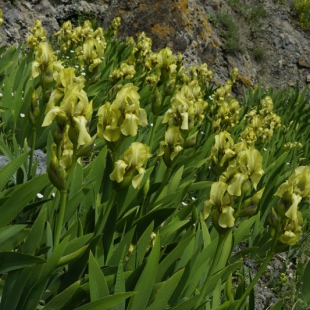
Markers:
{"x": 60, "y": 217}
{"x": 63, "y": 203}
{"x": 33, "y": 143}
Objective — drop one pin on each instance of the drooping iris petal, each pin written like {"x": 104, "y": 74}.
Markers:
{"x": 292, "y": 212}
{"x": 84, "y": 136}
{"x": 217, "y": 194}
{"x": 50, "y": 116}
{"x": 119, "y": 171}
{"x": 111, "y": 133}
{"x": 136, "y": 180}
{"x": 130, "y": 125}
{"x": 234, "y": 188}
{"x": 226, "y": 218}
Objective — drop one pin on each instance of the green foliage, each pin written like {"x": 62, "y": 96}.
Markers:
{"x": 302, "y": 8}
{"x": 154, "y": 177}
{"x": 229, "y": 31}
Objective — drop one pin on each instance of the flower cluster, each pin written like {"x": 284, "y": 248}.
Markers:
{"x": 164, "y": 64}
{"x": 87, "y": 44}
{"x": 129, "y": 168}
{"x": 116, "y": 22}
{"x": 186, "y": 112}
{"x": 125, "y": 71}
{"x": 38, "y": 35}
{"x": 45, "y": 64}
{"x": 292, "y": 145}
{"x": 285, "y": 218}
{"x": 261, "y": 123}
{"x": 123, "y": 116}
{"x": 239, "y": 169}
{"x": 74, "y": 108}
{"x": 227, "y": 108}
{"x": 187, "y": 107}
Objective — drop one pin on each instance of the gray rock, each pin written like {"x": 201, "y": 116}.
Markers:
{"x": 39, "y": 156}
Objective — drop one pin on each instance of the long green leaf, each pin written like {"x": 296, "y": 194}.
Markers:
{"x": 97, "y": 282}
{"x": 107, "y": 302}
{"x": 9, "y": 231}
{"x": 147, "y": 279}
{"x": 243, "y": 229}
{"x": 13, "y": 288}
{"x": 35, "y": 235}
{"x": 14, "y": 260}
{"x": 140, "y": 249}
{"x": 21, "y": 197}
{"x": 60, "y": 300}
{"x": 8, "y": 58}
{"x": 277, "y": 306}
{"x": 172, "y": 258}
{"x": 165, "y": 292}
{"x": 121, "y": 249}
{"x": 34, "y": 295}
{"x": 120, "y": 286}
{"x": 7, "y": 172}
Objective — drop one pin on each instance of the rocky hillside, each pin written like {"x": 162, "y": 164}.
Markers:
{"x": 260, "y": 37}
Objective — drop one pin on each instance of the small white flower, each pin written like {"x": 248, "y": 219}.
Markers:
{"x": 39, "y": 195}
{"x": 1, "y": 95}
{"x": 67, "y": 57}
{"x": 83, "y": 73}
{"x": 265, "y": 149}
{"x": 201, "y": 132}
{"x": 288, "y": 164}
{"x": 184, "y": 203}
{"x": 76, "y": 66}
{"x": 53, "y": 195}
{"x": 71, "y": 51}
{"x": 12, "y": 94}
{"x": 22, "y": 115}
{"x": 193, "y": 198}
{"x": 151, "y": 124}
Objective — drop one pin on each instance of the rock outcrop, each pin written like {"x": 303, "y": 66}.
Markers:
{"x": 270, "y": 48}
